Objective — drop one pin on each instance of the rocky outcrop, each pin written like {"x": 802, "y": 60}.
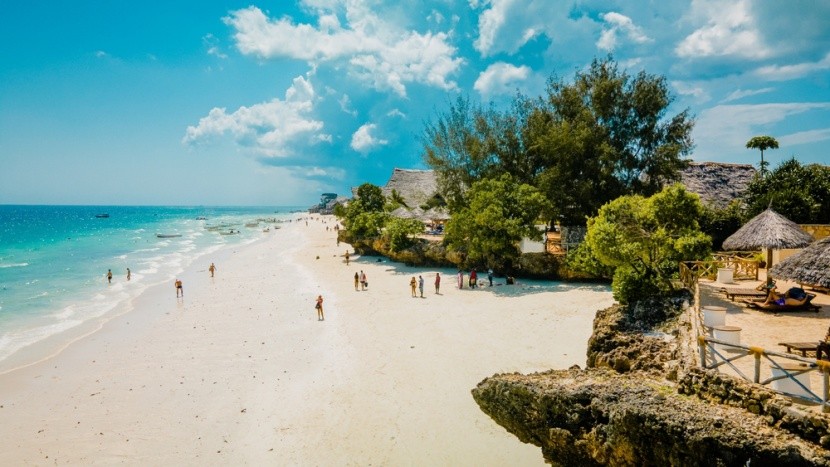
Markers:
{"x": 599, "y": 417}
{"x": 642, "y": 401}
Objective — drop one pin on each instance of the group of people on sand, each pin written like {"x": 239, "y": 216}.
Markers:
{"x": 361, "y": 281}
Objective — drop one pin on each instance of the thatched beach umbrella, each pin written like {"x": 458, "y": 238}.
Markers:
{"x": 402, "y": 213}
{"x": 435, "y": 214}
{"x": 809, "y": 266}
{"x": 770, "y": 231}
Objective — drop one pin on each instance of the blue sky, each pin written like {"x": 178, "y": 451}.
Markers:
{"x": 274, "y": 102}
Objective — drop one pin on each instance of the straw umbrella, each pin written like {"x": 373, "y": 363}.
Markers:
{"x": 768, "y": 230}
{"x": 809, "y": 266}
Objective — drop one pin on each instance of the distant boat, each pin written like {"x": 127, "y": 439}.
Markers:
{"x": 168, "y": 235}
{"x": 102, "y": 216}
{"x": 201, "y": 218}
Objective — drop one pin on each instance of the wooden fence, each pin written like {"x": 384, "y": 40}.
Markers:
{"x": 691, "y": 271}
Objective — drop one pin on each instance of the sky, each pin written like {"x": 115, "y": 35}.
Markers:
{"x": 274, "y": 102}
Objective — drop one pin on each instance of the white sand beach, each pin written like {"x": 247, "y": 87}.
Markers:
{"x": 241, "y": 372}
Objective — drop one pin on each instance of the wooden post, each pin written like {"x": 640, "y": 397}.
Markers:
{"x": 701, "y": 346}
{"x": 826, "y": 394}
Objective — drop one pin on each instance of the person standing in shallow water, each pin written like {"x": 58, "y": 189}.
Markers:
{"x": 109, "y": 276}
{"x": 437, "y": 282}
{"x": 421, "y": 285}
{"x": 128, "y": 274}
{"x": 319, "y": 307}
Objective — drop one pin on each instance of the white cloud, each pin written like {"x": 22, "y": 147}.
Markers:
{"x": 727, "y": 128}
{"x": 270, "y": 128}
{"x": 363, "y": 141}
{"x": 617, "y": 24}
{"x": 346, "y": 105}
{"x": 788, "y": 72}
{"x": 395, "y": 113}
{"x": 101, "y": 54}
{"x": 374, "y": 50}
{"x": 740, "y": 93}
{"x": 729, "y": 30}
{"x": 805, "y": 137}
{"x": 688, "y": 89}
{"x": 500, "y": 78}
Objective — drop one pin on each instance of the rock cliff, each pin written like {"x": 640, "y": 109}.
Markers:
{"x": 642, "y": 402}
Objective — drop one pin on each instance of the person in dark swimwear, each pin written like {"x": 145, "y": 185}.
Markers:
{"x": 179, "y": 289}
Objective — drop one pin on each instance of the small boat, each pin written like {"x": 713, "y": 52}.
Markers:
{"x": 102, "y": 216}
{"x": 230, "y": 232}
{"x": 201, "y": 218}
{"x": 158, "y": 235}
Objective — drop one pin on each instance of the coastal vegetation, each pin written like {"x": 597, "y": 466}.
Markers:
{"x": 762, "y": 143}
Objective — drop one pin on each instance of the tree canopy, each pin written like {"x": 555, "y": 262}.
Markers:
{"x": 762, "y": 143}
{"x": 583, "y": 144}
{"x": 799, "y": 192}
{"x": 499, "y": 212}
{"x": 645, "y": 238}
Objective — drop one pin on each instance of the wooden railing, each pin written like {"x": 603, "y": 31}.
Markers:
{"x": 691, "y": 271}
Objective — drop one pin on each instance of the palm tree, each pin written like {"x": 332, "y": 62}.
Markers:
{"x": 762, "y": 143}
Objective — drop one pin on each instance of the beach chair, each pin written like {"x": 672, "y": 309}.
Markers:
{"x": 738, "y": 292}
{"x": 795, "y": 299}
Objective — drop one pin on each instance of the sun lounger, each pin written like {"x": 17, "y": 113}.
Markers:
{"x": 762, "y": 305}
{"x": 803, "y": 347}
{"x": 733, "y": 292}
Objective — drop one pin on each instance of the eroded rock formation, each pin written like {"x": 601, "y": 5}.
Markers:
{"x": 641, "y": 402}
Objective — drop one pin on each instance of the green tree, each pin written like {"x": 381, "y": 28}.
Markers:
{"x": 645, "y": 238}
{"x": 720, "y": 223}
{"x": 396, "y": 200}
{"x": 762, "y": 143}
{"x": 604, "y": 135}
{"x": 398, "y": 232}
{"x": 498, "y": 213}
{"x": 369, "y": 200}
{"x": 799, "y": 192}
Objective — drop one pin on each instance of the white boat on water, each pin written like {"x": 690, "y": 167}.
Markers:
{"x": 158, "y": 235}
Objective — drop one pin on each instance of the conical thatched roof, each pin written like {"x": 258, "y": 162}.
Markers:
{"x": 404, "y": 213}
{"x": 809, "y": 266}
{"x": 768, "y": 230}
{"x": 435, "y": 214}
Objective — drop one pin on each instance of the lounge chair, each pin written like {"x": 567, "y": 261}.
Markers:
{"x": 796, "y": 299}
{"x": 733, "y": 292}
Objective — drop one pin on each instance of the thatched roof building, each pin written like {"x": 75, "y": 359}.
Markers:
{"x": 717, "y": 183}
{"x": 768, "y": 230}
{"x": 809, "y": 266}
{"x": 414, "y": 186}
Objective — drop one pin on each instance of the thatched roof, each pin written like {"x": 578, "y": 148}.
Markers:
{"x": 717, "y": 183}
{"x": 414, "y": 186}
{"x": 809, "y": 266}
{"x": 404, "y": 213}
{"x": 768, "y": 230}
{"x": 435, "y": 214}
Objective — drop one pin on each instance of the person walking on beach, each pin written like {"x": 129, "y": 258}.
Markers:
{"x": 473, "y": 278}
{"x": 319, "y": 307}
{"x": 128, "y": 273}
{"x": 109, "y": 276}
{"x": 356, "y": 281}
{"x": 179, "y": 289}
{"x": 437, "y": 282}
{"x": 460, "y": 279}
{"x": 412, "y": 284}
{"x": 490, "y": 276}
{"x": 421, "y": 285}
{"x": 363, "y": 281}
{"x": 347, "y": 257}
{"x": 212, "y": 269}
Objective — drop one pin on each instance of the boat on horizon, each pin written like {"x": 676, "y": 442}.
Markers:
{"x": 158, "y": 235}
{"x": 102, "y": 216}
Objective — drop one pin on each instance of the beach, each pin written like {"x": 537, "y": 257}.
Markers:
{"x": 240, "y": 371}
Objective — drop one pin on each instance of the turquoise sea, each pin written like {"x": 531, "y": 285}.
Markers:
{"x": 54, "y": 259}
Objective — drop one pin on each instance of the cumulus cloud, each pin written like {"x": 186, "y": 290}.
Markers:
{"x": 270, "y": 128}
{"x": 689, "y": 89}
{"x": 500, "y": 78}
{"x": 363, "y": 141}
{"x": 729, "y": 30}
{"x": 617, "y": 25}
{"x": 376, "y": 51}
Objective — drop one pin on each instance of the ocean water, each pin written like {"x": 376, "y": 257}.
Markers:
{"x": 54, "y": 259}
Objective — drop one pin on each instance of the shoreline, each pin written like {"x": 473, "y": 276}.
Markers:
{"x": 242, "y": 372}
